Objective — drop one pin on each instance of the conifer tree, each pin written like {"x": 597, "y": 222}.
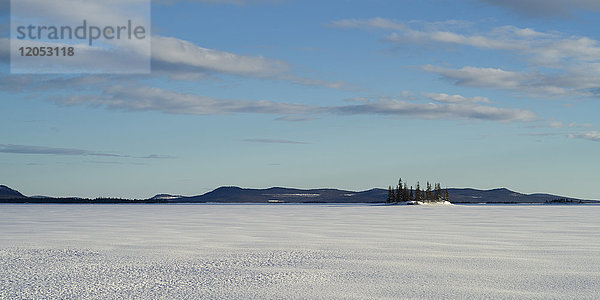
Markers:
{"x": 399, "y": 191}
{"x": 447, "y": 196}
{"x": 390, "y": 197}
{"x": 428, "y": 192}
{"x": 437, "y": 193}
{"x": 411, "y": 196}
{"x": 418, "y": 192}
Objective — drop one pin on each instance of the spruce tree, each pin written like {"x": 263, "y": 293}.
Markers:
{"x": 411, "y": 196}
{"x": 437, "y": 193}
{"x": 428, "y": 192}
{"x": 390, "y": 197}
{"x": 399, "y": 191}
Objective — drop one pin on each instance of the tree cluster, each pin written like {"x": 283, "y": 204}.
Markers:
{"x": 402, "y": 193}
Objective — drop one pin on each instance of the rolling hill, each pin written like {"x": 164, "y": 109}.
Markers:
{"x": 233, "y": 194}
{"x": 8, "y": 193}
{"x": 290, "y": 195}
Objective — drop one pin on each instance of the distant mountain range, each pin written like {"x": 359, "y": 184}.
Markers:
{"x": 7, "y": 193}
{"x": 290, "y": 195}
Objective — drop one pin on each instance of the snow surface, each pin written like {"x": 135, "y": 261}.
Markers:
{"x": 299, "y": 251}
{"x": 432, "y": 203}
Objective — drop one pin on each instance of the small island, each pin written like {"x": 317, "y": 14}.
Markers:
{"x": 402, "y": 194}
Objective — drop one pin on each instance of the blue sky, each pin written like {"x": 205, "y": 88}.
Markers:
{"x": 310, "y": 94}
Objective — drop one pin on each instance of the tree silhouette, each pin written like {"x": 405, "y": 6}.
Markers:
{"x": 431, "y": 193}
{"x": 428, "y": 192}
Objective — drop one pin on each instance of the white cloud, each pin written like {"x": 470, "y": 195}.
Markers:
{"x": 545, "y": 49}
{"x": 438, "y": 111}
{"x": 557, "y": 124}
{"x": 559, "y": 64}
{"x": 445, "y": 98}
{"x": 143, "y": 98}
{"x": 421, "y": 37}
{"x": 480, "y": 77}
{"x": 547, "y": 8}
{"x": 531, "y": 84}
{"x": 316, "y": 82}
{"x": 590, "y": 136}
{"x": 380, "y": 23}
{"x": 509, "y": 31}
{"x": 181, "y": 59}
{"x": 177, "y": 52}
{"x": 388, "y": 24}
{"x": 29, "y": 149}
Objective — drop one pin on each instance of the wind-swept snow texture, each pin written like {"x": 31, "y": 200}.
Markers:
{"x": 299, "y": 251}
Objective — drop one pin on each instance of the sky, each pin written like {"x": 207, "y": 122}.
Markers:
{"x": 313, "y": 94}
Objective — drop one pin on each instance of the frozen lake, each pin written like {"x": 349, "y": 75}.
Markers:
{"x": 299, "y": 251}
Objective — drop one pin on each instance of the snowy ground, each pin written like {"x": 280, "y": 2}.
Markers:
{"x": 299, "y": 251}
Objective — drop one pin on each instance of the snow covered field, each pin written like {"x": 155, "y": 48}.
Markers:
{"x": 299, "y": 251}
